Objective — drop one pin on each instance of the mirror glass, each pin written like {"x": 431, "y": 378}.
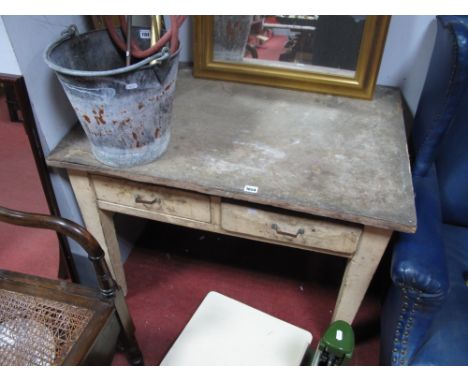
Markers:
{"x": 319, "y": 44}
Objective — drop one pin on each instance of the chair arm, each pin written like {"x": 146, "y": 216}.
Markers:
{"x": 68, "y": 228}
{"x": 420, "y": 278}
{"x": 418, "y": 261}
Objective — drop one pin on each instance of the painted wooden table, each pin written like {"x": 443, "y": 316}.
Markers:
{"x": 322, "y": 173}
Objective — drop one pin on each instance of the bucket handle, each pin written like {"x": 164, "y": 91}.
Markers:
{"x": 72, "y": 31}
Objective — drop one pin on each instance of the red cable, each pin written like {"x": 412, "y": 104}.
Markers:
{"x": 175, "y": 35}
{"x": 172, "y": 35}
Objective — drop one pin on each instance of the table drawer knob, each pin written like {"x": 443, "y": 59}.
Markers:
{"x": 139, "y": 199}
{"x": 280, "y": 231}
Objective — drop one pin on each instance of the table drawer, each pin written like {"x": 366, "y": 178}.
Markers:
{"x": 149, "y": 198}
{"x": 310, "y": 233}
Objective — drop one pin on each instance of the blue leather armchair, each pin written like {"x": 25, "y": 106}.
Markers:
{"x": 425, "y": 316}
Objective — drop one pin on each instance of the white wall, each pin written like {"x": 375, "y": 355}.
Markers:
{"x": 8, "y": 62}
{"x": 407, "y": 54}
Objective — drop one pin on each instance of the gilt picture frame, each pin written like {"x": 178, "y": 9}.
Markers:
{"x": 360, "y": 84}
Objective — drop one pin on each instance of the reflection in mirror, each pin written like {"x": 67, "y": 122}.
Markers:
{"x": 320, "y": 44}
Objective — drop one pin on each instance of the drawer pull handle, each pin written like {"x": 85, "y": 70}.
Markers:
{"x": 139, "y": 199}
{"x": 279, "y": 231}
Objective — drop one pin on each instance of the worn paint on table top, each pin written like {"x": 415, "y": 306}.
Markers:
{"x": 325, "y": 155}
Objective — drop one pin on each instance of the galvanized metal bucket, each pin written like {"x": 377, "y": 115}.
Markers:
{"x": 124, "y": 110}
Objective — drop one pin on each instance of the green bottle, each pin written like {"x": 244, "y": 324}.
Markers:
{"x": 336, "y": 346}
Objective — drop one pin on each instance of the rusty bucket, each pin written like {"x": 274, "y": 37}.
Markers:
{"x": 124, "y": 110}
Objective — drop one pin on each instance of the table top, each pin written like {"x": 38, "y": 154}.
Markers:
{"x": 325, "y": 155}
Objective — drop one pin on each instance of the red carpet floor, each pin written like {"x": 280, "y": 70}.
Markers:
{"x": 172, "y": 268}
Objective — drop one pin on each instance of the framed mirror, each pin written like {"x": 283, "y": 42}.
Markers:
{"x": 337, "y": 55}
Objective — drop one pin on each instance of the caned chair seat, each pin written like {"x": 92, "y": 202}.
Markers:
{"x": 47, "y": 322}
{"x": 56, "y": 322}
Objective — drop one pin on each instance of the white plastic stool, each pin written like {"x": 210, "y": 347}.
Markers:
{"x": 224, "y": 331}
